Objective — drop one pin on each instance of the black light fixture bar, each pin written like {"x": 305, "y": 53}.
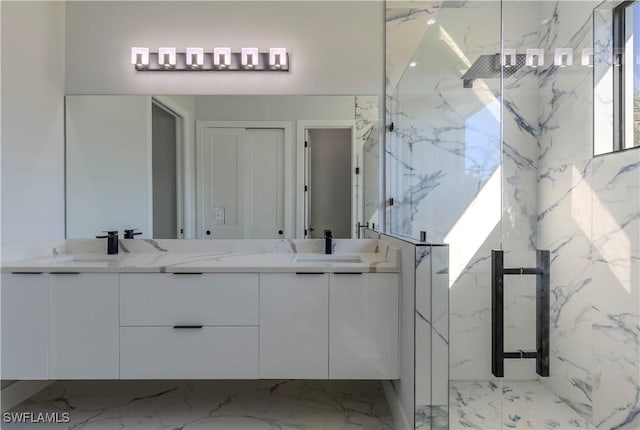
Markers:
{"x": 208, "y": 66}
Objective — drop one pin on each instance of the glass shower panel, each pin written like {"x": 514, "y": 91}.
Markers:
{"x": 445, "y": 145}
{"x": 443, "y": 158}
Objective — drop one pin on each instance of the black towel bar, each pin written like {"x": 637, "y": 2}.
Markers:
{"x": 498, "y": 354}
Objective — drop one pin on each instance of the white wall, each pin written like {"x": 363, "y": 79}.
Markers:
{"x": 32, "y": 146}
{"x": 108, "y": 165}
{"x": 274, "y": 108}
{"x": 335, "y": 47}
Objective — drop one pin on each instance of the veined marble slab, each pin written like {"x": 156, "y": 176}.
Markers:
{"x": 497, "y": 404}
{"x": 206, "y": 256}
{"x": 213, "y": 405}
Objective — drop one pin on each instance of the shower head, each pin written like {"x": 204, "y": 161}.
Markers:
{"x": 488, "y": 67}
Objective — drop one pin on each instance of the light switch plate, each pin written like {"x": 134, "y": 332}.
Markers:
{"x": 218, "y": 215}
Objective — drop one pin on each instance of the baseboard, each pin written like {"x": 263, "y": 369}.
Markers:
{"x": 399, "y": 417}
{"x": 14, "y": 394}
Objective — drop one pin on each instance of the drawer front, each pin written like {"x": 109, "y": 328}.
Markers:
{"x": 166, "y": 299}
{"x": 205, "y": 353}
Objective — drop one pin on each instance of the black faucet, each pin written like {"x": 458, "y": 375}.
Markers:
{"x": 129, "y": 233}
{"x": 328, "y": 248}
{"x": 112, "y": 241}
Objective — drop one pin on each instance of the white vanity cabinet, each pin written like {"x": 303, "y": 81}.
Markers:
{"x": 189, "y": 326}
{"x": 25, "y": 321}
{"x": 294, "y": 328}
{"x": 83, "y": 326}
{"x": 265, "y": 325}
{"x": 363, "y": 326}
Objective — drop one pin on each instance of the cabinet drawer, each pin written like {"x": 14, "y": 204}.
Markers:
{"x": 204, "y": 353}
{"x": 166, "y": 299}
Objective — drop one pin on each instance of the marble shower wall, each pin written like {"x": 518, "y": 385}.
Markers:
{"x": 589, "y": 216}
{"x": 431, "y": 337}
{"x": 553, "y": 194}
{"x": 564, "y": 201}
{"x": 615, "y": 289}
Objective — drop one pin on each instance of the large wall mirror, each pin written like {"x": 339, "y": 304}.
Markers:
{"x": 221, "y": 167}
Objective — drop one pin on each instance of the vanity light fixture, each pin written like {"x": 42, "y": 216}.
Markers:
{"x": 222, "y": 57}
{"x": 534, "y": 57}
{"x": 508, "y": 57}
{"x": 195, "y": 57}
{"x": 140, "y": 57}
{"x": 220, "y": 60}
{"x": 587, "y": 57}
{"x": 563, "y": 57}
{"x": 250, "y": 58}
{"x": 277, "y": 57}
{"x": 167, "y": 57}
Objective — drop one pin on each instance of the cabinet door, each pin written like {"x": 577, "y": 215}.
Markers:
{"x": 293, "y": 325}
{"x": 83, "y": 331}
{"x": 363, "y": 326}
{"x": 25, "y": 318}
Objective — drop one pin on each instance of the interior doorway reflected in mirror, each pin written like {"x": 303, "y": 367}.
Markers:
{"x": 165, "y": 153}
{"x": 330, "y": 182}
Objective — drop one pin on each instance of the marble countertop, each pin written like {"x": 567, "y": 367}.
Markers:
{"x": 160, "y": 260}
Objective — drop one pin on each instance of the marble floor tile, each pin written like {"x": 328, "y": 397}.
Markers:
{"x": 211, "y": 405}
{"x": 492, "y": 405}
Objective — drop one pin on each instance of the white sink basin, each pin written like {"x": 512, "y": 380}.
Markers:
{"x": 328, "y": 258}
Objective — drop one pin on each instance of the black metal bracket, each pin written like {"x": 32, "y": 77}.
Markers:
{"x": 542, "y": 272}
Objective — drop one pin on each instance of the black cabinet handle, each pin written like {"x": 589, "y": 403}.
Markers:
{"x": 187, "y": 273}
{"x": 208, "y": 232}
{"x": 187, "y": 326}
{"x": 280, "y": 231}
{"x": 26, "y": 273}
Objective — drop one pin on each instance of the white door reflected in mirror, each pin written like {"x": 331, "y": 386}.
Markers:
{"x": 241, "y": 183}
